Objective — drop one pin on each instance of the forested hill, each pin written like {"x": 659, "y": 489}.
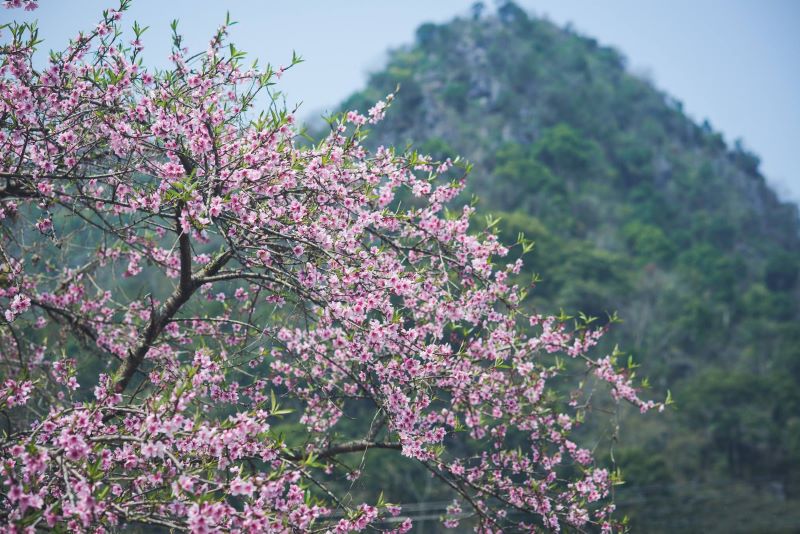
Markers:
{"x": 634, "y": 208}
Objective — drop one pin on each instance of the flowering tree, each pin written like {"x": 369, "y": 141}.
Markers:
{"x": 179, "y": 277}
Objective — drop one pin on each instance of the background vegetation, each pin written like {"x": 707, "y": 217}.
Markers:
{"x": 634, "y": 208}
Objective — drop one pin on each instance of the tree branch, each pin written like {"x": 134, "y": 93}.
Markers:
{"x": 186, "y": 261}
{"x": 162, "y": 316}
{"x": 349, "y": 446}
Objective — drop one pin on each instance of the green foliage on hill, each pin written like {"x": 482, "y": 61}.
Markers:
{"x": 634, "y": 208}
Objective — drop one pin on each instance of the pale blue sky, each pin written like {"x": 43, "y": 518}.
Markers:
{"x": 734, "y": 62}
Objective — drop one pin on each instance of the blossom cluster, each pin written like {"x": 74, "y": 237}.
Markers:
{"x": 180, "y": 277}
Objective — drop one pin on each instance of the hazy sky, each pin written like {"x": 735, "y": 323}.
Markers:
{"x": 735, "y": 62}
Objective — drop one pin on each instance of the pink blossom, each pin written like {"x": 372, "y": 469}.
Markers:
{"x": 282, "y": 286}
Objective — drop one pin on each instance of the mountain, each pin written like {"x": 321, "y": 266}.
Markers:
{"x": 638, "y": 209}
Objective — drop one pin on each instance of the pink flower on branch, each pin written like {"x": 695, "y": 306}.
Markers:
{"x": 208, "y": 282}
